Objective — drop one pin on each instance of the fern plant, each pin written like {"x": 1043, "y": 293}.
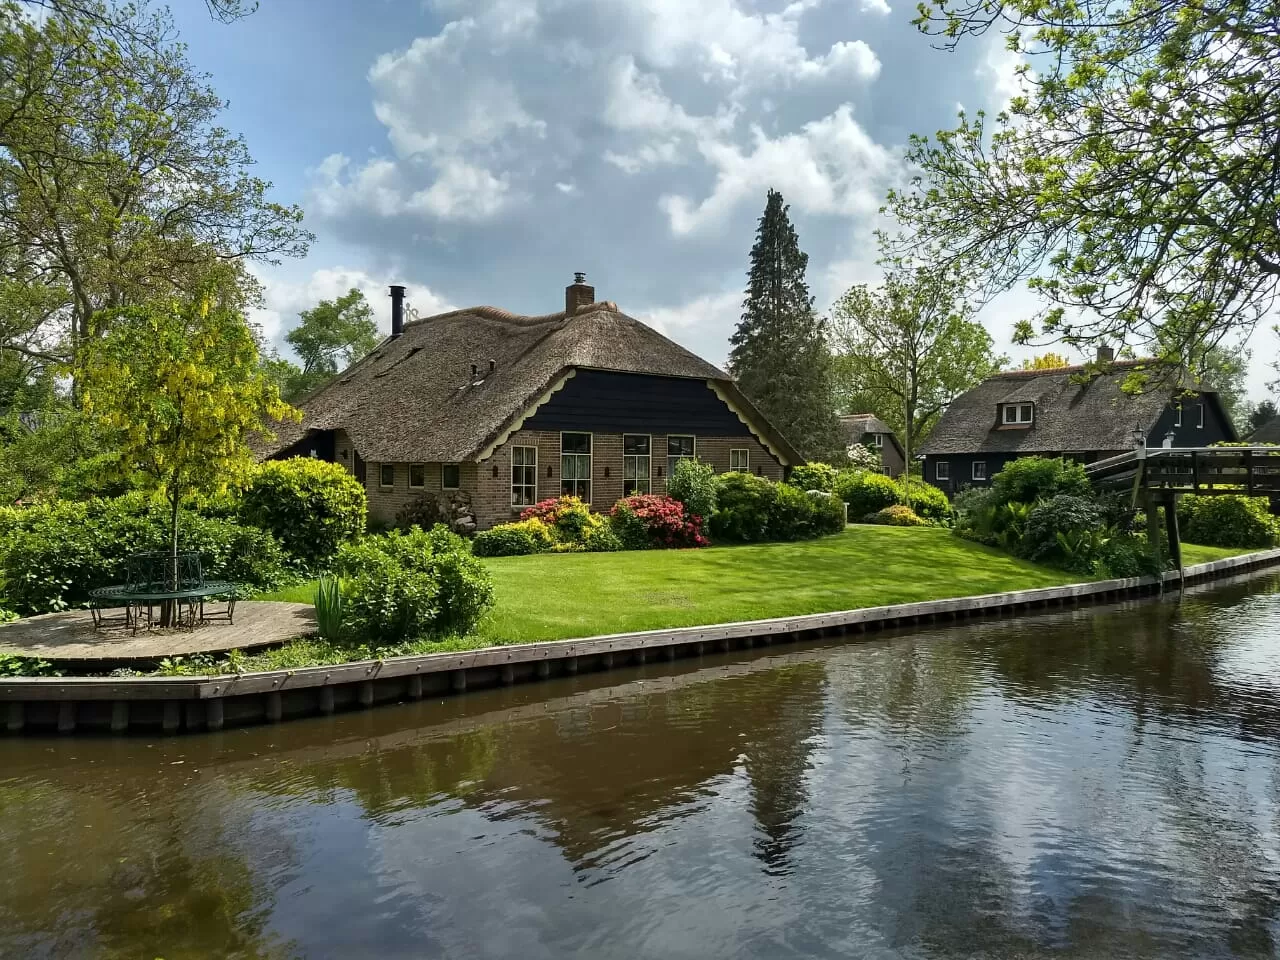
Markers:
{"x": 328, "y": 605}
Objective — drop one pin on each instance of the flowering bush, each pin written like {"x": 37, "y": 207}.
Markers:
{"x": 567, "y": 516}
{"x": 513, "y": 539}
{"x": 895, "y": 516}
{"x": 650, "y": 520}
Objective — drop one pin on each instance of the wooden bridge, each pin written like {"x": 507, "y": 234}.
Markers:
{"x": 1158, "y": 475}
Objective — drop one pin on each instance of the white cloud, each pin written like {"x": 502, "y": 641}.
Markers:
{"x": 569, "y": 189}
{"x": 999, "y": 69}
{"x": 703, "y": 324}
{"x": 875, "y": 6}
{"x": 285, "y": 299}
{"x": 336, "y": 187}
{"x": 848, "y": 59}
{"x": 461, "y": 192}
{"x": 831, "y": 166}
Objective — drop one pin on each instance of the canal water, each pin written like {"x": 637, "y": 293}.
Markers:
{"x": 1098, "y": 783}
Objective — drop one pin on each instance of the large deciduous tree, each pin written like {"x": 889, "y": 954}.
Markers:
{"x": 910, "y": 347}
{"x": 1135, "y": 181}
{"x": 117, "y": 184}
{"x": 779, "y": 354}
{"x": 180, "y": 387}
{"x": 332, "y": 335}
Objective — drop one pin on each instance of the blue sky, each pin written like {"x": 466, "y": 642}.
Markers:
{"x": 483, "y": 150}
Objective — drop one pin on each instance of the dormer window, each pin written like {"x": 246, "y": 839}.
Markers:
{"x": 1017, "y": 414}
{"x": 877, "y": 440}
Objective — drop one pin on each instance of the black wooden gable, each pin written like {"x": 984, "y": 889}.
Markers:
{"x": 602, "y": 401}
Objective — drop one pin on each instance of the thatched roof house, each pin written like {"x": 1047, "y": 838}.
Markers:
{"x": 491, "y": 411}
{"x": 1069, "y": 411}
{"x": 1269, "y": 432}
{"x": 869, "y": 430}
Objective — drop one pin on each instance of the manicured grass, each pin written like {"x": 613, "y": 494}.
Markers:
{"x": 1194, "y": 553}
{"x": 558, "y": 596}
{"x": 566, "y": 595}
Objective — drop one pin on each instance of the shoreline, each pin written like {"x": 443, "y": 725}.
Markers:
{"x": 39, "y": 705}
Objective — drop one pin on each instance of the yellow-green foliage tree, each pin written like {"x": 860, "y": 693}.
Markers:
{"x": 179, "y": 384}
{"x": 1045, "y": 361}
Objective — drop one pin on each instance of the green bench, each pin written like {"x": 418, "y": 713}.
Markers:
{"x": 151, "y": 584}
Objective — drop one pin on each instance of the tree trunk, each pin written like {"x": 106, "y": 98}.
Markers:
{"x": 169, "y": 608}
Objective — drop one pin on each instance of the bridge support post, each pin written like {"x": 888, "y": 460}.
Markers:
{"x": 1153, "y": 526}
{"x": 1171, "y": 530}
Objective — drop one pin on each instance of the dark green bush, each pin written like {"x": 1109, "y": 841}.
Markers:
{"x": 1228, "y": 521}
{"x": 1126, "y": 555}
{"x": 1065, "y": 530}
{"x": 829, "y": 513}
{"x": 1029, "y": 479}
{"x": 54, "y": 554}
{"x": 867, "y": 492}
{"x": 813, "y": 476}
{"x": 406, "y": 585}
{"x": 513, "y": 539}
{"x": 311, "y": 506}
{"x": 792, "y": 515}
{"x": 745, "y": 503}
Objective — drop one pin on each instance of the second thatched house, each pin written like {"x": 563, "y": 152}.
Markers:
{"x": 481, "y": 413}
{"x": 872, "y": 432}
{"x": 1065, "y": 412}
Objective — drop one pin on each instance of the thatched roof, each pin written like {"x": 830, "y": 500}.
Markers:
{"x": 1269, "y": 432}
{"x": 414, "y": 399}
{"x": 856, "y": 425}
{"x": 1074, "y": 411}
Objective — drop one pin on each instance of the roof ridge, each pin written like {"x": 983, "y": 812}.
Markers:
{"x": 490, "y": 313}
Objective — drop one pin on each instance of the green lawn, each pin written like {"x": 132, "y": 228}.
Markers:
{"x": 563, "y": 595}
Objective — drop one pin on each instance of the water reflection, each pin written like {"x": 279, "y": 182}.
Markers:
{"x": 1092, "y": 783}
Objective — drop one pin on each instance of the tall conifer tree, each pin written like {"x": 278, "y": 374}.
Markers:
{"x": 780, "y": 355}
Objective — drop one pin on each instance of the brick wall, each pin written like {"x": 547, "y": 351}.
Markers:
{"x": 492, "y": 496}
{"x": 385, "y": 502}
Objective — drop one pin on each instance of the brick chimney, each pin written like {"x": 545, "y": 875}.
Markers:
{"x": 1106, "y": 354}
{"x": 578, "y": 294}
{"x": 397, "y": 310}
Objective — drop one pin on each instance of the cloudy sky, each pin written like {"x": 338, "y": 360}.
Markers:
{"x": 480, "y": 151}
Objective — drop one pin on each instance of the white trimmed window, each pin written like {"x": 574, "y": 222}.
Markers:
{"x": 637, "y": 463}
{"x": 877, "y": 440}
{"x": 678, "y": 448}
{"x": 979, "y": 470}
{"x": 575, "y": 465}
{"x": 1018, "y": 413}
{"x": 1200, "y": 416}
{"x": 387, "y": 475}
{"x": 450, "y": 476}
{"x": 524, "y": 476}
{"x": 740, "y": 460}
{"x": 1177, "y": 415}
{"x": 417, "y": 476}
{"x": 942, "y": 470}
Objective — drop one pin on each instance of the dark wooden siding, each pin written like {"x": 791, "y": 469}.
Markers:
{"x": 605, "y": 402}
{"x": 961, "y": 465}
{"x": 1190, "y": 434}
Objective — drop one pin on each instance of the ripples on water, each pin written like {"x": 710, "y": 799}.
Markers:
{"x": 1100, "y": 783}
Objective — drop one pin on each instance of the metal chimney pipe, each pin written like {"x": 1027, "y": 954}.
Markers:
{"x": 397, "y": 310}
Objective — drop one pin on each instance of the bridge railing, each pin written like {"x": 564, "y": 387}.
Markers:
{"x": 1253, "y": 471}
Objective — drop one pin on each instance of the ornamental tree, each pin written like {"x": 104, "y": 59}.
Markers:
{"x": 1132, "y": 182}
{"x": 180, "y": 387}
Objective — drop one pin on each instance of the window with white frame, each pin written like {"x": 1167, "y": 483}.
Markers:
{"x": 575, "y": 465}
{"x": 1177, "y": 415}
{"x": 979, "y": 470}
{"x": 1200, "y": 415}
{"x": 740, "y": 460}
{"x": 637, "y": 463}
{"x": 387, "y": 475}
{"x": 417, "y": 476}
{"x": 877, "y": 440}
{"x": 678, "y": 448}
{"x": 524, "y": 476}
{"x": 1017, "y": 413}
{"x": 942, "y": 470}
{"x": 450, "y": 476}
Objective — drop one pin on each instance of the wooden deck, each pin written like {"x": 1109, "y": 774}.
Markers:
{"x": 70, "y": 636}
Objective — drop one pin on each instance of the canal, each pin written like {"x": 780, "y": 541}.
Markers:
{"x": 1101, "y": 782}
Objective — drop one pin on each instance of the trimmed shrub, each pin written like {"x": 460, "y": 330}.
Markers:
{"x": 829, "y": 513}
{"x": 866, "y": 492}
{"x": 311, "y": 506}
{"x": 930, "y": 503}
{"x": 566, "y": 517}
{"x": 599, "y": 536}
{"x": 406, "y": 585}
{"x": 1030, "y": 479}
{"x": 813, "y": 476}
{"x": 744, "y": 507}
{"x": 53, "y": 554}
{"x": 513, "y": 539}
{"x": 897, "y": 515}
{"x": 1065, "y": 530}
{"x": 422, "y": 511}
{"x": 694, "y": 484}
{"x": 650, "y": 520}
{"x": 1126, "y": 555}
{"x": 1228, "y": 521}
